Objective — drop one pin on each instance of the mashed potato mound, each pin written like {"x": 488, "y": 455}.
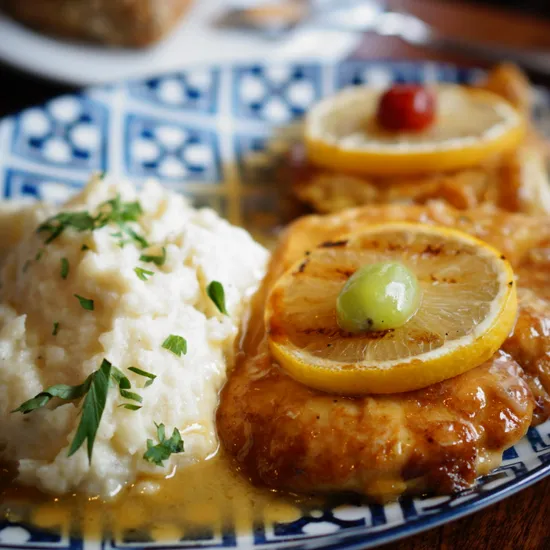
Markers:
{"x": 128, "y": 325}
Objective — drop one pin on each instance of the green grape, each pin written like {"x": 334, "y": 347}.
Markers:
{"x": 378, "y": 297}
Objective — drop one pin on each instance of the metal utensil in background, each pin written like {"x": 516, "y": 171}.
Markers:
{"x": 274, "y": 19}
{"x": 369, "y": 16}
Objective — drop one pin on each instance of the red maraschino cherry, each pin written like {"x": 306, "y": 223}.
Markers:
{"x": 406, "y": 108}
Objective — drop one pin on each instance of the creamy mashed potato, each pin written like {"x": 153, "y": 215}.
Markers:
{"x": 130, "y": 322}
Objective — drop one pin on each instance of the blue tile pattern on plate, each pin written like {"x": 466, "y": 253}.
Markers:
{"x": 376, "y": 73}
{"x": 20, "y": 184}
{"x": 195, "y": 91}
{"x": 170, "y": 151}
{"x": 182, "y": 128}
{"x": 15, "y": 536}
{"x": 68, "y": 132}
{"x": 275, "y": 94}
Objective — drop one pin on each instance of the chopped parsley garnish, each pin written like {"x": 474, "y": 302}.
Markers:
{"x": 158, "y": 260}
{"x": 56, "y": 225}
{"x": 217, "y": 294}
{"x": 156, "y": 454}
{"x": 130, "y": 407}
{"x": 86, "y": 303}
{"x": 55, "y": 329}
{"x": 145, "y": 374}
{"x": 124, "y": 386}
{"x": 95, "y": 389}
{"x": 112, "y": 211}
{"x": 39, "y": 254}
{"x": 64, "y": 268}
{"x": 176, "y": 344}
{"x": 143, "y": 274}
{"x": 92, "y": 410}
{"x": 26, "y": 266}
{"x": 84, "y": 247}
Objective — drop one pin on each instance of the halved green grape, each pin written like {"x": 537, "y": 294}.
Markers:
{"x": 378, "y": 297}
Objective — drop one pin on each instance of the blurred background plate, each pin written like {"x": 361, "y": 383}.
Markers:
{"x": 194, "y": 40}
{"x": 200, "y": 131}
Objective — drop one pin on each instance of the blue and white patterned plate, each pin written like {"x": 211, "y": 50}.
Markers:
{"x": 199, "y": 131}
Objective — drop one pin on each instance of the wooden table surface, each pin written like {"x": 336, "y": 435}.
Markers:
{"x": 522, "y": 521}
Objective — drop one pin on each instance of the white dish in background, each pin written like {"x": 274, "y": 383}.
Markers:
{"x": 193, "y": 41}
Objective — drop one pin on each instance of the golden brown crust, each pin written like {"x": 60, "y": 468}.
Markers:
{"x": 133, "y": 23}
{"x": 441, "y": 438}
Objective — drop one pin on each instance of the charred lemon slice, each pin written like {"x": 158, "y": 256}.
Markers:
{"x": 342, "y": 133}
{"x": 467, "y": 307}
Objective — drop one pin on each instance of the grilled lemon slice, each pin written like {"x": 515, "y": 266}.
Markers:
{"x": 471, "y": 125}
{"x": 468, "y": 308}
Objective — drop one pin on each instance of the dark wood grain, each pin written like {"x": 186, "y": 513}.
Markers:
{"x": 521, "y": 522}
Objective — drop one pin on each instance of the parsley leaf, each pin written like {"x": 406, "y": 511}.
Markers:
{"x": 61, "y": 391}
{"x": 156, "y": 454}
{"x": 84, "y": 247}
{"x": 64, "y": 268}
{"x": 92, "y": 410}
{"x": 124, "y": 385}
{"x": 55, "y": 329}
{"x": 86, "y": 303}
{"x": 112, "y": 211}
{"x": 39, "y": 254}
{"x": 26, "y": 266}
{"x": 143, "y": 274}
{"x": 56, "y": 225}
{"x": 130, "y": 407}
{"x": 176, "y": 344}
{"x": 95, "y": 388}
{"x": 145, "y": 374}
{"x": 216, "y": 293}
{"x": 158, "y": 260}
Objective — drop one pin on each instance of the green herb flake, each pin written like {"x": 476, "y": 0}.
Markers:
{"x": 84, "y": 247}
{"x": 112, "y": 211}
{"x": 86, "y": 303}
{"x": 124, "y": 385}
{"x": 39, "y": 254}
{"x": 145, "y": 374}
{"x": 157, "y": 260}
{"x": 143, "y": 274}
{"x": 64, "y": 268}
{"x": 217, "y": 294}
{"x": 92, "y": 410}
{"x": 157, "y": 454}
{"x": 130, "y": 407}
{"x": 94, "y": 390}
{"x": 56, "y": 225}
{"x": 26, "y": 266}
{"x": 55, "y": 329}
{"x": 176, "y": 344}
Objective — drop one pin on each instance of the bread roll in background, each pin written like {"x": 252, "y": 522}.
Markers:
{"x": 132, "y": 23}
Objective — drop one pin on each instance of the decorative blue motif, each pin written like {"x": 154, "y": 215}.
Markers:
{"x": 170, "y": 151}
{"x": 20, "y": 184}
{"x": 182, "y": 128}
{"x": 68, "y": 132}
{"x": 275, "y": 94}
{"x": 195, "y": 90}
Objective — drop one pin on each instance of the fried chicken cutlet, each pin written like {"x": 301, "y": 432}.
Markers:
{"x": 516, "y": 180}
{"x": 438, "y": 439}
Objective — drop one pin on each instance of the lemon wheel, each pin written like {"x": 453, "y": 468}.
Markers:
{"x": 471, "y": 125}
{"x": 468, "y": 307}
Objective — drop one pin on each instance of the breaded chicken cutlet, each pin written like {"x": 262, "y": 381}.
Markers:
{"x": 438, "y": 439}
{"x": 516, "y": 180}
